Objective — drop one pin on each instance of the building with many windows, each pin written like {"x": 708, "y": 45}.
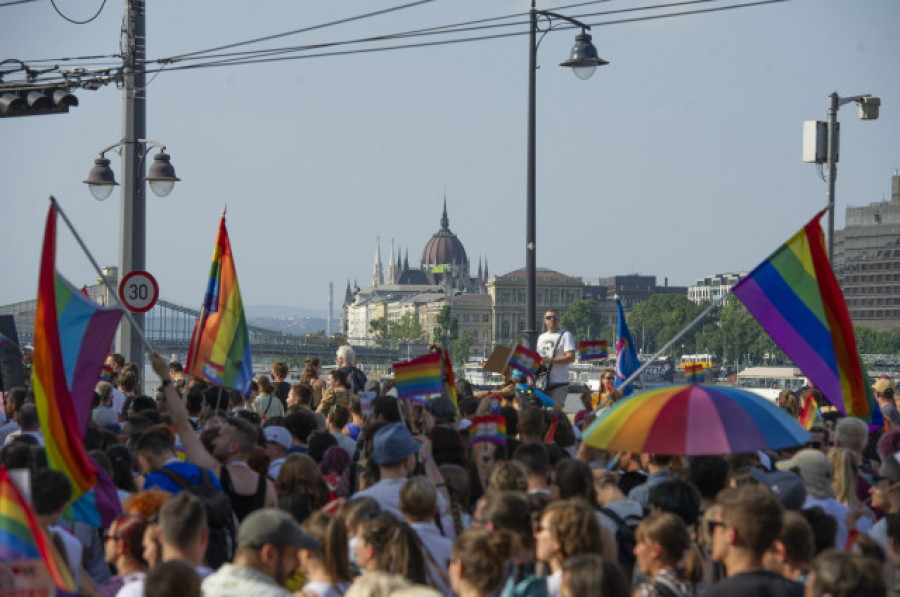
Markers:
{"x": 867, "y": 261}
{"x": 507, "y": 293}
{"x": 635, "y": 288}
{"x": 714, "y": 287}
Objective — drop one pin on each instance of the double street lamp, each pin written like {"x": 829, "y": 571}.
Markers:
{"x": 583, "y": 62}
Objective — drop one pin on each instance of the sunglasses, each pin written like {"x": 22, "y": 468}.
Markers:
{"x": 551, "y": 316}
{"x": 712, "y": 524}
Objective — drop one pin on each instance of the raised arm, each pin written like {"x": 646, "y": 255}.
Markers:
{"x": 193, "y": 447}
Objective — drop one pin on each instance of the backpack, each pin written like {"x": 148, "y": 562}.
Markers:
{"x": 357, "y": 380}
{"x": 522, "y": 582}
{"x": 219, "y": 515}
{"x": 625, "y": 540}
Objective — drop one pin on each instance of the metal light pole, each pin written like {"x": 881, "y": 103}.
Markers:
{"x": 132, "y": 219}
{"x": 583, "y": 61}
{"x": 868, "y": 110}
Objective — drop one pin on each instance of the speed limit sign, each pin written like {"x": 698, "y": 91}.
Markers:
{"x": 139, "y": 291}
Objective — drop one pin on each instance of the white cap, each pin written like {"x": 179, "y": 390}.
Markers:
{"x": 279, "y": 435}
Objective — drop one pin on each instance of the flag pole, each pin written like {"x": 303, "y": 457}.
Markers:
{"x": 712, "y": 305}
{"x": 135, "y": 328}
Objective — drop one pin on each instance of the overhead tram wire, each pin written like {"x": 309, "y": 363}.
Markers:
{"x": 60, "y": 13}
{"x": 244, "y": 56}
{"x": 264, "y": 60}
{"x": 269, "y": 55}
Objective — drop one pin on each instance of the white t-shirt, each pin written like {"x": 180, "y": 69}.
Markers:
{"x": 545, "y": 344}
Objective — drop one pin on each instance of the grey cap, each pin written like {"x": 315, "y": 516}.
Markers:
{"x": 441, "y": 407}
{"x": 271, "y": 525}
{"x": 393, "y": 443}
{"x": 787, "y": 487}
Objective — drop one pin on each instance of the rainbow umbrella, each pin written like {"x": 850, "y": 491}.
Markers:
{"x": 693, "y": 420}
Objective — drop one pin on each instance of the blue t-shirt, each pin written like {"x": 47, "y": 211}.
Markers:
{"x": 188, "y": 470}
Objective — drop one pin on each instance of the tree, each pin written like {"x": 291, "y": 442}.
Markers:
{"x": 407, "y": 329}
{"x": 447, "y": 327}
{"x": 583, "y": 320}
{"x": 659, "y": 319}
{"x": 380, "y": 328}
{"x": 460, "y": 347}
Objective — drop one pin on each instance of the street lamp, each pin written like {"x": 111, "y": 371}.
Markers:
{"x": 133, "y": 225}
{"x": 161, "y": 174}
{"x": 583, "y": 62}
{"x": 868, "y": 110}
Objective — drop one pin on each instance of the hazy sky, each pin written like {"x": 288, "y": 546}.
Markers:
{"x": 682, "y": 158}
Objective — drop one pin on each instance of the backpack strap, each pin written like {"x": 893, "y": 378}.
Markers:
{"x": 176, "y": 478}
{"x": 666, "y": 588}
{"x": 613, "y": 516}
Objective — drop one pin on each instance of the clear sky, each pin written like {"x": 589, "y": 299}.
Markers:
{"x": 682, "y": 158}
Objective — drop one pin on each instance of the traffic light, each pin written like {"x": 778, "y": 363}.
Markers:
{"x": 34, "y": 102}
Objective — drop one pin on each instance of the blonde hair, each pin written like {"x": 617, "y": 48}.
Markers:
{"x": 846, "y": 470}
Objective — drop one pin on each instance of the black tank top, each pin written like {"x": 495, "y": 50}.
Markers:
{"x": 243, "y": 504}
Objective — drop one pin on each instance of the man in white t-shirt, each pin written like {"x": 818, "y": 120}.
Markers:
{"x": 557, "y": 350}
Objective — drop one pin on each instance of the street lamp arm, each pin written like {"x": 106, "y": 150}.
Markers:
{"x": 852, "y": 98}
{"x": 556, "y": 15}
{"x": 149, "y": 142}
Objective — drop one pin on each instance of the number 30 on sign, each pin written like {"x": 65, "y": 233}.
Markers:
{"x": 139, "y": 291}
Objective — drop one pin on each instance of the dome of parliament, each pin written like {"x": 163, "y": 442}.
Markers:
{"x": 443, "y": 247}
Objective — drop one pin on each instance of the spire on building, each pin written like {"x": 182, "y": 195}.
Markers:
{"x": 391, "y": 272}
{"x": 485, "y": 270}
{"x": 377, "y": 275}
{"x": 348, "y": 294}
{"x": 479, "y": 270}
{"x": 445, "y": 221}
{"x": 406, "y": 261}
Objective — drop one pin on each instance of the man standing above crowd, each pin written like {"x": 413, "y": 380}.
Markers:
{"x": 346, "y": 362}
{"x": 557, "y": 349}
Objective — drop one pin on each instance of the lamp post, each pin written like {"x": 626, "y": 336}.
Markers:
{"x": 868, "y": 110}
{"x": 583, "y": 62}
{"x": 132, "y": 232}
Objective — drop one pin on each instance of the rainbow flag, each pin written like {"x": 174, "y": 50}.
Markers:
{"x": 449, "y": 377}
{"x": 693, "y": 372}
{"x": 420, "y": 377}
{"x": 796, "y": 298}
{"x": 589, "y": 350}
{"x": 106, "y": 373}
{"x": 626, "y": 357}
{"x": 3, "y": 339}
{"x": 220, "y": 344}
{"x": 810, "y": 414}
{"x": 71, "y": 338}
{"x": 491, "y": 429}
{"x": 526, "y": 361}
{"x": 23, "y": 538}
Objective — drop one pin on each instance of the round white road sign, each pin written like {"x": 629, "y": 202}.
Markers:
{"x": 139, "y": 291}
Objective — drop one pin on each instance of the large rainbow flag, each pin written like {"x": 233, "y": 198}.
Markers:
{"x": 420, "y": 377}
{"x": 796, "y": 298}
{"x": 220, "y": 343}
{"x": 23, "y": 538}
{"x": 71, "y": 338}
{"x": 592, "y": 349}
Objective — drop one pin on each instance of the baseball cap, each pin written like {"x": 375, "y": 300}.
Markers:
{"x": 518, "y": 375}
{"x": 786, "y": 486}
{"x": 882, "y": 384}
{"x": 392, "y": 443}
{"x": 271, "y": 525}
{"x": 441, "y": 408}
{"x": 279, "y": 435}
{"x": 815, "y": 470}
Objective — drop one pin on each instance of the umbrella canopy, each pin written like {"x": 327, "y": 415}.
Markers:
{"x": 694, "y": 420}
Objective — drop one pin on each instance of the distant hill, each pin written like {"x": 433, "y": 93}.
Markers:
{"x": 290, "y": 320}
{"x": 277, "y": 311}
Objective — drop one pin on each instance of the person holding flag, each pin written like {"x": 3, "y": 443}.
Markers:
{"x": 557, "y": 350}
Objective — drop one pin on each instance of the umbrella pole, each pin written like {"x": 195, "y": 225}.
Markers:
{"x": 647, "y": 363}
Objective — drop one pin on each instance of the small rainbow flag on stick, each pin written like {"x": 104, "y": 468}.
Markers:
{"x": 419, "y": 377}
{"x": 693, "y": 372}
{"x": 526, "y": 361}
{"x": 810, "y": 414}
{"x": 23, "y": 538}
{"x": 3, "y": 339}
{"x": 490, "y": 429}
{"x": 589, "y": 350}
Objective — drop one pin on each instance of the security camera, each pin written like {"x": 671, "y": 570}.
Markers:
{"x": 868, "y": 107}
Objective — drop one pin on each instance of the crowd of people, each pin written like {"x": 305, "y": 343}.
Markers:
{"x": 335, "y": 487}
